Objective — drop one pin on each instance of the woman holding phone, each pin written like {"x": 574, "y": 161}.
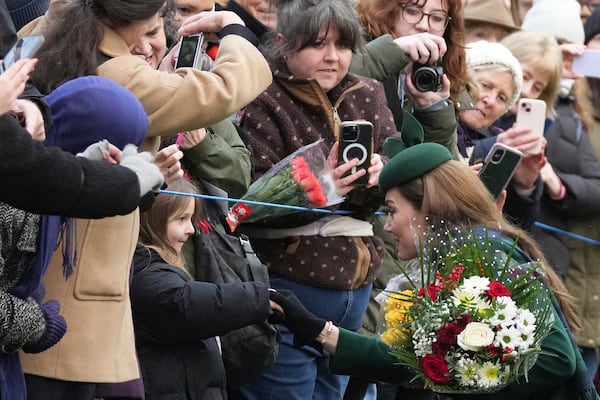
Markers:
{"x": 563, "y": 180}
{"x": 311, "y": 95}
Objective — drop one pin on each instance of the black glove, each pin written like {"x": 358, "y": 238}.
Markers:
{"x": 304, "y": 325}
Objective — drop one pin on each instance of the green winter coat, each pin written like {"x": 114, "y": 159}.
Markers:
{"x": 558, "y": 374}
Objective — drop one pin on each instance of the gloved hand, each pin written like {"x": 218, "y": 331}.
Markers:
{"x": 305, "y": 325}
{"x": 56, "y": 326}
{"x": 95, "y": 151}
{"x": 149, "y": 176}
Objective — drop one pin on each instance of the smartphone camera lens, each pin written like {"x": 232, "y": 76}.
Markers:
{"x": 351, "y": 133}
{"x": 497, "y": 156}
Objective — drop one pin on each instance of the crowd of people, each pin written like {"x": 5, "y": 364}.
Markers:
{"x": 106, "y": 144}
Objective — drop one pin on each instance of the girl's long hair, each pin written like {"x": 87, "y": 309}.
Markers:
{"x": 153, "y": 222}
{"x": 452, "y": 191}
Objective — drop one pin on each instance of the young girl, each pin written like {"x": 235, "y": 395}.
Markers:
{"x": 176, "y": 319}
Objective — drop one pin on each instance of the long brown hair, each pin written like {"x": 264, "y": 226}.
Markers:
{"x": 452, "y": 191}
{"x": 74, "y": 34}
{"x": 153, "y": 222}
{"x": 379, "y": 17}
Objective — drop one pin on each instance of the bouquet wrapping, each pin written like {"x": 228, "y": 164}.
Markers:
{"x": 470, "y": 320}
{"x": 301, "y": 180}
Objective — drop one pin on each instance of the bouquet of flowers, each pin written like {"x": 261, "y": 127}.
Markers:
{"x": 299, "y": 181}
{"x": 472, "y": 322}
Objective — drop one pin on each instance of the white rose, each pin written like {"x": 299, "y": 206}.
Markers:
{"x": 475, "y": 336}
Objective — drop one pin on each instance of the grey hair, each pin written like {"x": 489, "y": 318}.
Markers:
{"x": 300, "y": 21}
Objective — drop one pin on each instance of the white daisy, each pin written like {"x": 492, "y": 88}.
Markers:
{"x": 490, "y": 375}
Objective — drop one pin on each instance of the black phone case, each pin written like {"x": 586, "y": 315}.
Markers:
{"x": 356, "y": 141}
{"x": 498, "y": 168}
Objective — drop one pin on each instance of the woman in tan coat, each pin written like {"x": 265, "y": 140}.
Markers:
{"x": 94, "y": 37}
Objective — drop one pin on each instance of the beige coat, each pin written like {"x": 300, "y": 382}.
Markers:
{"x": 99, "y": 343}
{"x": 187, "y": 99}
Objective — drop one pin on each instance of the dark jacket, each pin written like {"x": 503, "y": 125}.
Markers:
{"x": 570, "y": 152}
{"x": 176, "y": 320}
{"x": 47, "y": 180}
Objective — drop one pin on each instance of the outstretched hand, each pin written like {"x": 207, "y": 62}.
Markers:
{"x": 304, "y": 325}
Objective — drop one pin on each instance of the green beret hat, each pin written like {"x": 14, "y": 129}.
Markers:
{"x": 409, "y": 156}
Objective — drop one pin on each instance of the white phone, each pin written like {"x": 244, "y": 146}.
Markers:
{"x": 587, "y": 64}
{"x": 531, "y": 113}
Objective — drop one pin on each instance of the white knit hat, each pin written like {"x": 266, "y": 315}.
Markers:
{"x": 483, "y": 53}
{"x": 557, "y": 18}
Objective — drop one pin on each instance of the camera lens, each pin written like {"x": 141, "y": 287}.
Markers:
{"x": 427, "y": 78}
{"x": 497, "y": 156}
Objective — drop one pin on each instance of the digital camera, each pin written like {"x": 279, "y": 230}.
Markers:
{"x": 428, "y": 77}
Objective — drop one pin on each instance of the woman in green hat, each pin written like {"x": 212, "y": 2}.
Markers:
{"x": 422, "y": 180}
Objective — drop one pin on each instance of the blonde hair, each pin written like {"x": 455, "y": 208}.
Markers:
{"x": 454, "y": 192}
{"x": 543, "y": 52}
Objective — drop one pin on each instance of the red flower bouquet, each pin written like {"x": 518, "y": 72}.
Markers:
{"x": 301, "y": 180}
{"x": 473, "y": 319}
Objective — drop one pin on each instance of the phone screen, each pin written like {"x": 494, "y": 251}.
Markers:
{"x": 25, "y": 47}
{"x": 187, "y": 51}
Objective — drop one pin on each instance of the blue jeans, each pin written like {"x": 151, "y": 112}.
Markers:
{"x": 303, "y": 373}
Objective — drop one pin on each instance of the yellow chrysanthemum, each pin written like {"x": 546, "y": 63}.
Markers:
{"x": 395, "y": 337}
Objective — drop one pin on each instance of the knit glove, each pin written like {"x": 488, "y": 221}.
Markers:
{"x": 149, "y": 176}
{"x": 95, "y": 151}
{"x": 56, "y": 326}
{"x": 304, "y": 325}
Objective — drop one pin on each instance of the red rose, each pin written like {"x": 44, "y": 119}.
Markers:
{"x": 432, "y": 290}
{"x": 435, "y": 368}
{"x": 496, "y": 289}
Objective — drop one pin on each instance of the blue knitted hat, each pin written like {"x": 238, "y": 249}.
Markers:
{"x": 88, "y": 109}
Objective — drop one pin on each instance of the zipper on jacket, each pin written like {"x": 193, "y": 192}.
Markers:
{"x": 336, "y": 117}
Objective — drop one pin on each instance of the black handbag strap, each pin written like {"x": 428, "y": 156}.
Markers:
{"x": 258, "y": 269}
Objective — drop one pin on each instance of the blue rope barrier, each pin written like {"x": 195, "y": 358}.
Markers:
{"x": 346, "y": 212}
{"x": 567, "y": 233}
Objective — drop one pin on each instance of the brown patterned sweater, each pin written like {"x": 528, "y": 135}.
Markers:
{"x": 295, "y": 112}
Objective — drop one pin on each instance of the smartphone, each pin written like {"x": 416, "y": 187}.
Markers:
{"x": 25, "y": 47}
{"x": 499, "y": 167}
{"x": 531, "y": 113}
{"x": 587, "y": 64}
{"x": 191, "y": 51}
{"x": 356, "y": 141}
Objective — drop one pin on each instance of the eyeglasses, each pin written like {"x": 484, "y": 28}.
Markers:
{"x": 414, "y": 15}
